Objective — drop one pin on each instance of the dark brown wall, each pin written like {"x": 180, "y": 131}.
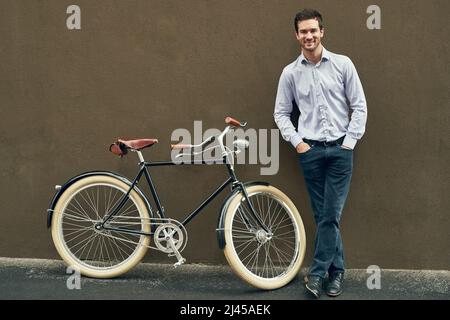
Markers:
{"x": 144, "y": 68}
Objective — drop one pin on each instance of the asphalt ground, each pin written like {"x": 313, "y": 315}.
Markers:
{"x": 39, "y": 279}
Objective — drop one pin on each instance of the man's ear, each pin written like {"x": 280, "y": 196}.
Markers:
{"x": 322, "y": 32}
{"x": 297, "y": 36}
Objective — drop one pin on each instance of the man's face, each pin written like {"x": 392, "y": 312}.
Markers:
{"x": 309, "y": 34}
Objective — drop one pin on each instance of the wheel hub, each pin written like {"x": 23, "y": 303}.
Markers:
{"x": 98, "y": 226}
{"x": 262, "y": 236}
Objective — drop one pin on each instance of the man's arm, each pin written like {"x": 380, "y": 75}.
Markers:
{"x": 283, "y": 109}
{"x": 355, "y": 95}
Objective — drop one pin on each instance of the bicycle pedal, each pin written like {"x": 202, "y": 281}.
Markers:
{"x": 179, "y": 263}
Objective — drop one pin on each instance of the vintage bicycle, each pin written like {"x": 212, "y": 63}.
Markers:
{"x": 102, "y": 224}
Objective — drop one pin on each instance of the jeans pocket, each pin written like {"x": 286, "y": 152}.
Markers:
{"x": 306, "y": 152}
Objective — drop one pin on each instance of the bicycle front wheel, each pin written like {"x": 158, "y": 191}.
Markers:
{"x": 100, "y": 253}
{"x": 266, "y": 260}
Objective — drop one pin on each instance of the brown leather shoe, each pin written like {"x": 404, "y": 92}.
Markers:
{"x": 334, "y": 287}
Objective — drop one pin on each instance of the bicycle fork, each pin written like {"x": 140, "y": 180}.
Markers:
{"x": 256, "y": 216}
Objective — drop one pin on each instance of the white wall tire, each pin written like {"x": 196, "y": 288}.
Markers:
{"x": 233, "y": 243}
{"x": 65, "y": 215}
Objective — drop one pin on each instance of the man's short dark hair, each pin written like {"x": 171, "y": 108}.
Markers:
{"x": 307, "y": 14}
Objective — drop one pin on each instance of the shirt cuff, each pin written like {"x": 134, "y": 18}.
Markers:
{"x": 349, "y": 142}
{"x": 295, "y": 140}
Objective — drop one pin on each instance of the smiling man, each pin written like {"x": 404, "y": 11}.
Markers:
{"x": 333, "y": 114}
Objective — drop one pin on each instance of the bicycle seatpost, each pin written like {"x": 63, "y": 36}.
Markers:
{"x": 139, "y": 153}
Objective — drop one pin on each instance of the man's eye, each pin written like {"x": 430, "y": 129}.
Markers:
{"x": 306, "y": 31}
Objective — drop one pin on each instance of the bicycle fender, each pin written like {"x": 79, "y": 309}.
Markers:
{"x": 87, "y": 174}
{"x": 226, "y": 203}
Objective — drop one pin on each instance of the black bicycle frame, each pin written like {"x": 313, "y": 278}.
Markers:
{"x": 144, "y": 171}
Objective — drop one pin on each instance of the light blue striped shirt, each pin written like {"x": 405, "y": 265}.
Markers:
{"x": 330, "y": 98}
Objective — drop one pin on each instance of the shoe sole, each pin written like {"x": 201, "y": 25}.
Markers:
{"x": 334, "y": 294}
{"x": 312, "y": 292}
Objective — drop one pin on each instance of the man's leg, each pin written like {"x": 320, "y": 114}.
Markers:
{"x": 327, "y": 175}
{"x": 338, "y": 264}
{"x": 313, "y": 164}
{"x": 340, "y": 167}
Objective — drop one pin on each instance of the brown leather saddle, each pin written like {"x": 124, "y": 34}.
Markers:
{"x": 121, "y": 146}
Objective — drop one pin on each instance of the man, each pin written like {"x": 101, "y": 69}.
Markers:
{"x": 333, "y": 114}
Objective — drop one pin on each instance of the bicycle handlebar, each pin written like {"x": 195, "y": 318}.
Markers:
{"x": 189, "y": 146}
{"x": 180, "y": 146}
{"x": 231, "y": 122}
{"x": 234, "y": 122}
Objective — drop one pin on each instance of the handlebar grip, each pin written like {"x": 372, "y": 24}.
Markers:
{"x": 233, "y": 122}
{"x": 180, "y": 146}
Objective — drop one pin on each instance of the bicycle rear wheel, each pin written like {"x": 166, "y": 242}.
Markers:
{"x": 264, "y": 260}
{"x": 99, "y": 253}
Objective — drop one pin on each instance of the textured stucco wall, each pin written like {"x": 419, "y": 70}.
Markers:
{"x": 144, "y": 68}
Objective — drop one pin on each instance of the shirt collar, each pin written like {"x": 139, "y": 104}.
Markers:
{"x": 325, "y": 56}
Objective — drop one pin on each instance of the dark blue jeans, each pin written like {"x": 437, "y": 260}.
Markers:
{"x": 327, "y": 171}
